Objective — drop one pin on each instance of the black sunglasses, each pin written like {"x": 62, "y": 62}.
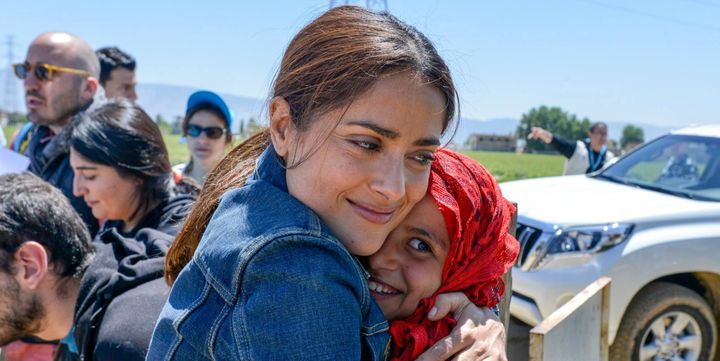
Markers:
{"x": 42, "y": 71}
{"x": 211, "y": 132}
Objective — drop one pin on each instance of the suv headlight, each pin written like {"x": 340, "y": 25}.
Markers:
{"x": 588, "y": 239}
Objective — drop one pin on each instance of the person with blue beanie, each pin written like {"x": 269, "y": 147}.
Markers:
{"x": 207, "y": 130}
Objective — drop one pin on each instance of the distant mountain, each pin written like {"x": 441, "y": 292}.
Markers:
{"x": 170, "y": 101}
{"x": 651, "y": 131}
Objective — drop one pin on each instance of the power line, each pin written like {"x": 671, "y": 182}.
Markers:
{"x": 706, "y": 3}
{"x": 653, "y": 16}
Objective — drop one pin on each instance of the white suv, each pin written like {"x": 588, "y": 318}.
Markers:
{"x": 651, "y": 221}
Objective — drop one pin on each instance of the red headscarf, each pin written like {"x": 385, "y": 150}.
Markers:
{"x": 481, "y": 250}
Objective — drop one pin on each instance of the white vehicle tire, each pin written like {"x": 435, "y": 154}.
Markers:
{"x": 666, "y": 321}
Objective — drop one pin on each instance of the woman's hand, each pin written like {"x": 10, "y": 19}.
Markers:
{"x": 478, "y": 335}
{"x": 541, "y": 134}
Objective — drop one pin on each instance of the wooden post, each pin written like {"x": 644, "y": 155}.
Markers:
{"x": 504, "y": 305}
{"x": 576, "y": 331}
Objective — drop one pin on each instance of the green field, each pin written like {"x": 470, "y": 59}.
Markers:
{"x": 8, "y": 132}
{"x": 507, "y": 166}
{"x": 504, "y": 166}
{"x": 179, "y": 153}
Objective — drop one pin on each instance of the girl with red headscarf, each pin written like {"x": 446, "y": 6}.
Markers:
{"x": 455, "y": 240}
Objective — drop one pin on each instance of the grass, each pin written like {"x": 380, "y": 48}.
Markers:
{"x": 179, "y": 153}
{"x": 504, "y": 166}
{"x": 8, "y": 132}
{"x": 510, "y": 166}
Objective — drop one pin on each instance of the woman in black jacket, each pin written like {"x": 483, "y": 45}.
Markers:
{"x": 123, "y": 173}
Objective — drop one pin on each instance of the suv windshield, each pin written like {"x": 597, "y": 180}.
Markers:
{"x": 682, "y": 165}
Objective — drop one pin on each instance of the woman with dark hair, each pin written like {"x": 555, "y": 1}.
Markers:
{"x": 207, "y": 130}
{"x": 123, "y": 172}
{"x": 266, "y": 269}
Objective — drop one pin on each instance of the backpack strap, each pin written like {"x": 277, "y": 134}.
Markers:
{"x": 22, "y": 138}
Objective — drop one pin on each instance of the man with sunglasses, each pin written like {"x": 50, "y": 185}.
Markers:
{"x": 60, "y": 77}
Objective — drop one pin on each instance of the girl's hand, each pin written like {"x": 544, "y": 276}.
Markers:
{"x": 478, "y": 335}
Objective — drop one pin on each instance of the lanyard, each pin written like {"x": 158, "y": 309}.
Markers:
{"x": 594, "y": 163}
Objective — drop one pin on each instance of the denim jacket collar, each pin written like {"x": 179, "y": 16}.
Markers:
{"x": 269, "y": 168}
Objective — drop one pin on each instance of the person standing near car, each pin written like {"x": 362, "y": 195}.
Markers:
{"x": 583, "y": 156}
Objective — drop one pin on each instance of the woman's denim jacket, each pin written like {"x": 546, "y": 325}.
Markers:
{"x": 269, "y": 282}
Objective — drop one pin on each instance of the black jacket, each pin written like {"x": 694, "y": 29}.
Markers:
{"x": 50, "y": 160}
{"x": 123, "y": 290}
{"x": 167, "y": 217}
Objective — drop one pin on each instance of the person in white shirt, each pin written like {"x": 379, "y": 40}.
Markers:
{"x": 583, "y": 156}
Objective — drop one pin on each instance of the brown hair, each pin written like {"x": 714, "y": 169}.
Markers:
{"x": 329, "y": 63}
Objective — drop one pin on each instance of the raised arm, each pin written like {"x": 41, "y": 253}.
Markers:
{"x": 564, "y": 146}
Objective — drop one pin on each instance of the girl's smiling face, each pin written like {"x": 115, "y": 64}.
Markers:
{"x": 409, "y": 265}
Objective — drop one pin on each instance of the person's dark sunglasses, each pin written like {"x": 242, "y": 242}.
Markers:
{"x": 44, "y": 72}
{"x": 211, "y": 132}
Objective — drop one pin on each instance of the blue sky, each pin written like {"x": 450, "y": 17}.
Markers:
{"x": 649, "y": 61}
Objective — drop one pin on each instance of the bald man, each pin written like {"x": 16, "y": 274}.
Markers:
{"x": 60, "y": 77}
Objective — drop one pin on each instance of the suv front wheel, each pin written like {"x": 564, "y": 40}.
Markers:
{"x": 666, "y": 322}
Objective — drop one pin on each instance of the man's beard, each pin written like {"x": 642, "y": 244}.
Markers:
{"x": 19, "y": 316}
{"x": 61, "y": 109}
